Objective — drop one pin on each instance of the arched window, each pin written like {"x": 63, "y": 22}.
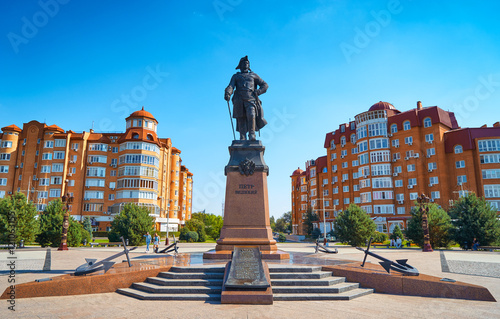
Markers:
{"x": 342, "y": 140}
{"x": 353, "y": 138}
{"x": 427, "y": 122}
{"x": 135, "y": 136}
{"x": 325, "y": 170}
{"x": 150, "y": 137}
{"x": 332, "y": 144}
{"x": 458, "y": 149}
{"x": 394, "y": 128}
{"x": 406, "y": 125}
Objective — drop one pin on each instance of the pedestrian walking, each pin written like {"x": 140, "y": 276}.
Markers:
{"x": 148, "y": 241}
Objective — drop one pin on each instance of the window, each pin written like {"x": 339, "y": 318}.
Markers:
{"x": 93, "y": 182}
{"x": 429, "y": 138}
{"x": 345, "y": 189}
{"x": 312, "y": 172}
{"x": 342, "y": 128}
{"x": 377, "y": 129}
{"x": 489, "y": 145}
{"x": 345, "y": 165}
{"x": 313, "y": 182}
{"x": 43, "y": 195}
{"x": 398, "y": 183}
{"x": 394, "y": 128}
{"x": 380, "y": 156}
{"x": 343, "y": 153}
{"x": 115, "y": 149}
{"x": 3, "y": 182}
{"x": 412, "y": 181}
{"x": 45, "y": 169}
{"x": 55, "y": 193}
{"x": 361, "y": 132}
{"x": 363, "y": 146}
{"x": 98, "y": 159}
{"x": 353, "y": 138}
{"x": 432, "y": 166}
{"x": 364, "y": 171}
{"x": 400, "y": 197}
{"x": 381, "y": 169}
{"x": 353, "y": 126}
{"x": 401, "y": 210}
{"x": 460, "y": 164}
{"x": 490, "y": 158}
{"x": 383, "y": 209}
{"x": 48, "y": 144}
{"x": 382, "y": 182}
{"x": 397, "y": 169}
{"x": 335, "y": 190}
{"x": 396, "y": 156}
{"x": 365, "y": 197}
{"x": 354, "y": 150}
{"x": 325, "y": 169}
{"x": 325, "y": 192}
{"x": 355, "y": 163}
{"x": 333, "y": 156}
{"x": 413, "y": 196}
{"x": 332, "y": 144}
{"x": 395, "y": 143}
{"x": 74, "y": 146}
{"x": 44, "y": 181}
{"x": 57, "y": 168}
{"x": 491, "y": 173}
{"x": 98, "y": 147}
{"x": 345, "y": 177}
{"x": 379, "y": 143}
{"x": 346, "y": 201}
{"x": 491, "y": 191}
{"x": 458, "y": 149}
{"x": 355, "y": 188}
{"x": 364, "y": 183}
{"x": 303, "y": 188}
{"x": 427, "y": 122}
{"x": 409, "y": 140}
{"x": 4, "y": 157}
{"x": 59, "y": 155}
{"x": 60, "y": 143}
{"x": 56, "y": 180}
{"x": 96, "y": 171}
{"x": 363, "y": 159}
{"x": 94, "y": 194}
{"x": 433, "y": 180}
{"x": 303, "y": 198}
{"x": 431, "y": 151}
{"x": 7, "y": 144}
{"x": 380, "y": 195}
{"x": 435, "y": 195}
{"x": 463, "y": 179}
{"x": 406, "y": 125}
{"x": 342, "y": 141}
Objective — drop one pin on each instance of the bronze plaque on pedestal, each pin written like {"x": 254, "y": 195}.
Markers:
{"x": 246, "y": 270}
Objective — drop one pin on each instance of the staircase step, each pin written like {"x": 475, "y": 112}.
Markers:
{"x": 338, "y": 288}
{"x": 145, "y": 286}
{"x": 181, "y": 282}
{"x": 197, "y": 269}
{"x": 291, "y": 275}
{"x": 144, "y": 295}
{"x": 347, "y": 295}
{"x": 293, "y": 269}
{"x": 192, "y": 275}
{"x": 328, "y": 281}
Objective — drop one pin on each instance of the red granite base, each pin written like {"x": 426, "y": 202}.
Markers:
{"x": 374, "y": 276}
{"x": 226, "y": 255}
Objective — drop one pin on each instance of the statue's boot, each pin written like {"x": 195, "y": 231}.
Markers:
{"x": 251, "y": 126}
{"x": 243, "y": 137}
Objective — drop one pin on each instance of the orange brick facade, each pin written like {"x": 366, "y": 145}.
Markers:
{"x": 385, "y": 158}
{"x": 102, "y": 171}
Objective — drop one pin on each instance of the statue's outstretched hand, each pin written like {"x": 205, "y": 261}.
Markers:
{"x": 227, "y": 96}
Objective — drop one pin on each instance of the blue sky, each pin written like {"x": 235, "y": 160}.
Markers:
{"x": 74, "y": 63}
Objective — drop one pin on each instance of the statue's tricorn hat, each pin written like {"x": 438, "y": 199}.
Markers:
{"x": 245, "y": 58}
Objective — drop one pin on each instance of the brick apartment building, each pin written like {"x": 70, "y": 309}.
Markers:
{"x": 102, "y": 171}
{"x": 386, "y": 158}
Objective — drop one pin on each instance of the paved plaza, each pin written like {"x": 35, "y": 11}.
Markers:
{"x": 480, "y": 268}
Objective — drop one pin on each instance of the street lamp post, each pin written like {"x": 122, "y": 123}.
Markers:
{"x": 424, "y": 208}
{"x": 67, "y": 200}
{"x": 167, "y": 242}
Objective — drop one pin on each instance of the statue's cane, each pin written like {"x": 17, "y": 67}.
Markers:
{"x": 231, "y": 119}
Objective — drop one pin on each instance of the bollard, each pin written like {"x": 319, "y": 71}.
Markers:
{"x": 21, "y": 243}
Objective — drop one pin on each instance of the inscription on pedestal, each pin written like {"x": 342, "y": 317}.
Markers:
{"x": 245, "y": 189}
{"x": 246, "y": 270}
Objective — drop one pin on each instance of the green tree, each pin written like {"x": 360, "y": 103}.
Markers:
{"x": 283, "y": 223}
{"x": 272, "y": 223}
{"x": 17, "y": 215}
{"x": 133, "y": 222}
{"x": 439, "y": 222}
{"x": 397, "y": 232}
{"x": 308, "y": 224}
{"x": 281, "y": 238}
{"x": 76, "y": 233}
{"x": 213, "y": 223}
{"x": 379, "y": 237}
{"x": 87, "y": 225}
{"x": 354, "y": 226}
{"x": 51, "y": 221}
{"x": 474, "y": 217}
{"x": 191, "y": 236}
{"x": 197, "y": 226}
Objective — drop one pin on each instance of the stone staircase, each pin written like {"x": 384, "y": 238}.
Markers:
{"x": 204, "y": 282}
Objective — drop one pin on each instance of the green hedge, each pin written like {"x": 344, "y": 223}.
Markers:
{"x": 100, "y": 234}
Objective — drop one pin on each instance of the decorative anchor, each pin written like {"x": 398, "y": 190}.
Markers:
{"x": 400, "y": 265}
{"x": 323, "y": 249}
{"x": 105, "y": 264}
{"x": 169, "y": 248}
